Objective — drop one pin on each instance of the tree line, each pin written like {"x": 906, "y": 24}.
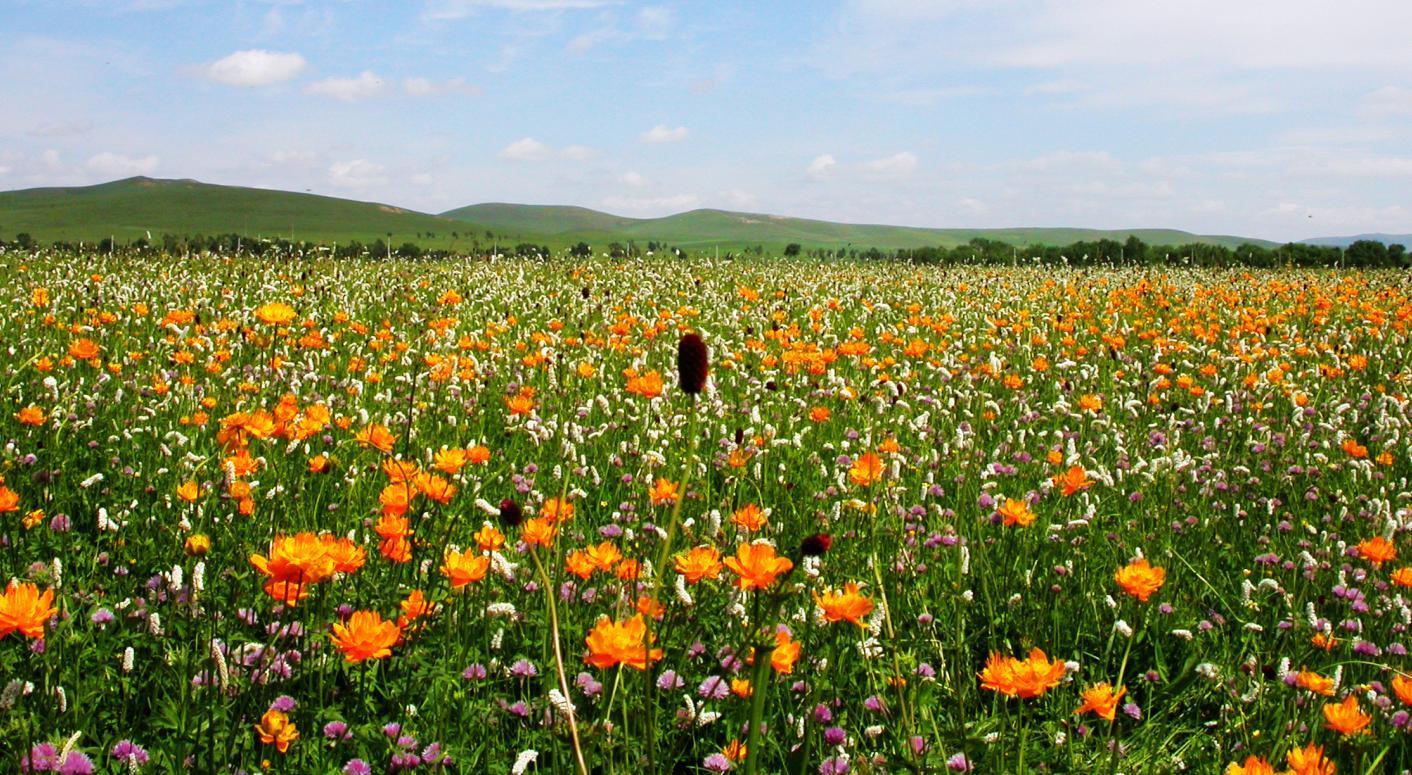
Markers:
{"x": 1363, "y": 254}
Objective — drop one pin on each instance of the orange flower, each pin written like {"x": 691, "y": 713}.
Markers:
{"x": 604, "y": 556}
{"x": 741, "y": 688}
{"x": 749, "y": 517}
{"x": 365, "y": 636}
{"x": 394, "y": 531}
{"x": 1354, "y": 450}
{"x": 647, "y": 385}
{"x": 1309, "y": 760}
{"x": 537, "y": 532}
{"x": 1402, "y": 577}
{"x": 1016, "y": 512}
{"x": 613, "y": 643}
{"x": 663, "y": 491}
{"x": 819, "y": 414}
{"x": 9, "y": 500}
{"x": 1091, "y": 403}
{"x": 30, "y": 415}
{"x": 735, "y": 751}
{"x": 346, "y": 555}
{"x": 1346, "y": 718}
{"x": 557, "y": 510}
{"x": 377, "y": 437}
{"x": 1253, "y": 765}
{"x": 650, "y": 607}
{"x": 489, "y": 538}
{"x": 785, "y": 653}
{"x": 756, "y": 566}
{"x": 197, "y": 545}
{"x": 579, "y": 564}
{"x": 1140, "y": 579}
{"x": 846, "y": 605}
{"x": 84, "y": 350}
{"x": 24, "y": 609}
{"x": 463, "y": 568}
{"x": 276, "y": 313}
{"x": 189, "y": 491}
{"x": 701, "y": 562}
{"x": 866, "y": 470}
{"x": 436, "y": 488}
{"x": 1377, "y": 550}
{"x": 277, "y": 730}
{"x": 1072, "y": 481}
{"x": 450, "y": 461}
{"x": 1315, "y": 683}
{"x": 1023, "y": 678}
{"x": 1102, "y": 700}
{"x": 400, "y": 471}
{"x": 1402, "y": 687}
{"x": 415, "y": 607}
{"x": 295, "y": 563}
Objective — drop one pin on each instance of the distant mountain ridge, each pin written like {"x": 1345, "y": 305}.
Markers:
{"x": 133, "y": 208}
{"x": 1343, "y": 242}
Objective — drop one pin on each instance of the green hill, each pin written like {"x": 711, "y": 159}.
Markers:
{"x": 135, "y": 207}
{"x": 129, "y": 209}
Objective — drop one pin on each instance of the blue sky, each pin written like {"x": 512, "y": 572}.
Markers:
{"x": 1277, "y": 119}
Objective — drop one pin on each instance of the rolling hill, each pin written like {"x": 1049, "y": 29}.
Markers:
{"x": 1343, "y": 242}
{"x": 135, "y": 207}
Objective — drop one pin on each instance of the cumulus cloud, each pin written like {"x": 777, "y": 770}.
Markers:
{"x": 426, "y": 87}
{"x": 118, "y": 165}
{"x": 897, "y": 164}
{"x": 664, "y": 134}
{"x": 358, "y": 173}
{"x": 530, "y": 149}
{"x": 256, "y": 67}
{"x": 360, "y": 87}
{"x": 821, "y": 165}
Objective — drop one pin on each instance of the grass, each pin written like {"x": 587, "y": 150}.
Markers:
{"x": 132, "y": 208}
{"x": 897, "y": 481}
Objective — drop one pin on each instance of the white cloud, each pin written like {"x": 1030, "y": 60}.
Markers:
{"x": 530, "y": 149}
{"x": 821, "y": 165}
{"x": 655, "y": 22}
{"x": 634, "y": 179}
{"x": 897, "y": 164}
{"x": 738, "y": 199}
{"x": 360, "y": 87}
{"x": 1388, "y": 101}
{"x": 664, "y": 134}
{"x": 651, "y": 205}
{"x": 118, "y": 165}
{"x": 450, "y": 10}
{"x": 358, "y": 173}
{"x": 256, "y": 67}
{"x": 60, "y": 128}
{"x": 425, "y": 87}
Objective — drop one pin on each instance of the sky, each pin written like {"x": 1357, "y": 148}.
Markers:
{"x": 1278, "y": 119}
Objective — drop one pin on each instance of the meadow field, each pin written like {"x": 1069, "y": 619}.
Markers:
{"x": 701, "y": 516}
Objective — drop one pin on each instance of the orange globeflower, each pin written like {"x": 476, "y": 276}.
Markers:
{"x": 189, "y": 491}
{"x": 1402, "y": 687}
{"x": 450, "y": 461}
{"x": 84, "y": 350}
{"x": 604, "y": 556}
{"x": 664, "y": 491}
{"x": 557, "y": 510}
{"x": 1023, "y": 678}
{"x": 785, "y": 653}
{"x": 24, "y": 609}
{"x": 394, "y": 530}
{"x": 647, "y": 385}
{"x": 295, "y": 563}
{"x": 756, "y": 566}
{"x": 277, "y": 730}
{"x": 749, "y": 517}
{"x": 9, "y": 500}
{"x": 489, "y": 538}
{"x": 1315, "y": 683}
{"x": 1309, "y": 760}
{"x": 30, "y": 415}
{"x": 1354, "y": 449}
{"x": 537, "y": 532}
{"x": 276, "y": 313}
{"x": 346, "y": 555}
{"x": 377, "y": 437}
{"x": 1402, "y": 577}
{"x": 579, "y": 564}
{"x": 700, "y": 562}
{"x": 820, "y": 414}
{"x": 1377, "y": 550}
{"x": 1253, "y": 765}
{"x": 613, "y": 643}
{"x": 365, "y": 636}
{"x": 1102, "y": 700}
{"x": 1072, "y": 481}
{"x": 1015, "y": 512}
{"x": 845, "y": 605}
{"x": 463, "y": 568}
{"x": 866, "y": 470}
{"x": 1346, "y": 718}
{"x": 436, "y": 488}
{"x": 1140, "y": 579}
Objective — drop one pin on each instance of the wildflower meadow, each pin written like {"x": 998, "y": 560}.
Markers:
{"x": 700, "y": 516}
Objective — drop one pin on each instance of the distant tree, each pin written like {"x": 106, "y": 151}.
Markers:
{"x": 1135, "y": 250}
{"x": 581, "y": 250}
{"x": 24, "y": 240}
{"x": 409, "y": 250}
{"x": 792, "y": 249}
{"x": 1366, "y": 253}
